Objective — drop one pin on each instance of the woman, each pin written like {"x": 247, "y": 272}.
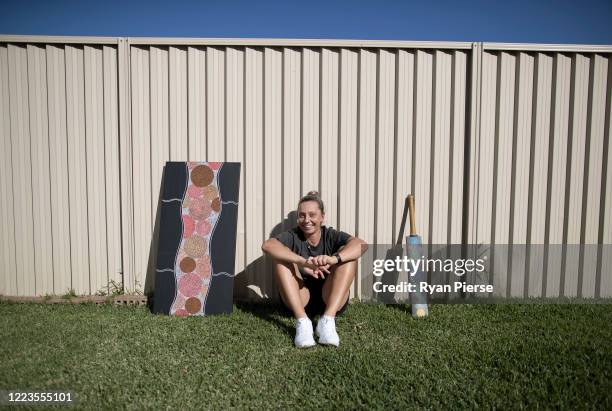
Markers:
{"x": 314, "y": 266}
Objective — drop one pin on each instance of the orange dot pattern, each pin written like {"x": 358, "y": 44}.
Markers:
{"x": 201, "y": 208}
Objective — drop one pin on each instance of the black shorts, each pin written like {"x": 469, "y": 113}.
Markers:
{"x": 316, "y": 305}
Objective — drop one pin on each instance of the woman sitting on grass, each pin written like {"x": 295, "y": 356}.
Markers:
{"x": 314, "y": 266}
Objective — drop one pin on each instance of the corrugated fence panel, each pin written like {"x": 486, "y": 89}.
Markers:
{"x": 22, "y": 171}
{"x": 160, "y": 118}
{"x": 41, "y": 192}
{"x": 196, "y": 103}
{"x": 215, "y": 104}
{"x": 543, "y": 139}
{"x": 144, "y": 206}
{"x": 292, "y": 134}
{"x": 385, "y": 147}
{"x": 112, "y": 165}
{"x": 235, "y": 144}
{"x": 254, "y": 167}
{"x": 272, "y": 125}
{"x": 422, "y": 153}
{"x": 58, "y": 146}
{"x": 457, "y": 146}
{"x": 404, "y": 108}
{"x": 8, "y": 265}
{"x": 605, "y": 229}
{"x": 90, "y": 127}
{"x": 349, "y": 69}
{"x": 177, "y": 73}
{"x": 330, "y": 60}
{"x": 310, "y": 148}
{"x": 96, "y": 168}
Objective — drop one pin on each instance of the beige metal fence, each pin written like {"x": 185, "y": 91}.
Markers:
{"x": 482, "y": 134}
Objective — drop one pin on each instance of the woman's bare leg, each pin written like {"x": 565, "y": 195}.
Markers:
{"x": 291, "y": 286}
{"x": 336, "y": 289}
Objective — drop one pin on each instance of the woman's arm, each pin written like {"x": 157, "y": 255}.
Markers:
{"x": 279, "y": 251}
{"x": 354, "y": 248}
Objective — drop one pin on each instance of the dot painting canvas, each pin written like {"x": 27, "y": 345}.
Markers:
{"x": 197, "y": 239}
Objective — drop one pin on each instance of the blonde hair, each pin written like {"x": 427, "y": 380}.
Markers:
{"x": 313, "y": 196}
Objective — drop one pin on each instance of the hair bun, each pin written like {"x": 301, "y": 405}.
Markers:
{"x": 313, "y": 193}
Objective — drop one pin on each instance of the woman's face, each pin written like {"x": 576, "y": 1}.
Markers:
{"x": 309, "y": 217}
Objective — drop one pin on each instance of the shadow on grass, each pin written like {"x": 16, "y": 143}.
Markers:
{"x": 269, "y": 313}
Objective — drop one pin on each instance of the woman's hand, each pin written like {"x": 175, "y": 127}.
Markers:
{"x": 324, "y": 260}
{"x": 312, "y": 268}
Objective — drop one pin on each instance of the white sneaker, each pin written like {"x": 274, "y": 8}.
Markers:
{"x": 326, "y": 331}
{"x": 303, "y": 333}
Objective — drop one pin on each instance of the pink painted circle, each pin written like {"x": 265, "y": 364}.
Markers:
{"x": 190, "y": 284}
{"x": 203, "y": 267}
{"x": 181, "y": 312}
{"x": 188, "y": 226}
{"x": 194, "y": 191}
{"x": 203, "y": 227}
{"x": 215, "y": 166}
{"x": 199, "y": 208}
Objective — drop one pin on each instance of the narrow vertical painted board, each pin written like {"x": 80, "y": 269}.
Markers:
{"x": 253, "y": 164}
{"x": 112, "y": 164}
{"x": 347, "y": 183}
{"x": 423, "y": 140}
{"x": 404, "y": 125}
{"x": 77, "y": 170}
{"x": 272, "y": 180}
{"x": 41, "y": 191}
{"x": 96, "y": 179}
{"x": 8, "y": 268}
{"x": 310, "y": 120}
{"x": 235, "y": 138}
{"x": 292, "y": 119}
{"x": 215, "y": 104}
{"x": 559, "y": 136}
{"x": 576, "y": 175}
{"x": 177, "y": 74}
{"x": 143, "y": 209}
{"x": 196, "y": 104}
{"x": 539, "y": 171}
{"x": 385, "y": 147}
{"x": 330, "y": 60}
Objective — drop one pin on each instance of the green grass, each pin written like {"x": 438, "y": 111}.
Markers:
{"x": 491, "y": 356}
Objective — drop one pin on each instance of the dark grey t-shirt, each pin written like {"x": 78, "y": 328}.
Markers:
{"x": 330, "y": 243}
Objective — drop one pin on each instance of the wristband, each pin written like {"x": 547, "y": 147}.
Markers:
{"x": 337, "y": 255}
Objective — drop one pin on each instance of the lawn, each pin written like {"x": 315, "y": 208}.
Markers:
{"x": 462, "y": 356}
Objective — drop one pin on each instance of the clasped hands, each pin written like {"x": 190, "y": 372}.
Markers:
{"x": 318, "y": 266}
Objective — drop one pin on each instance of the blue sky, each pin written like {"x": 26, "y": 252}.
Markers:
{"x": 537, "y": 21}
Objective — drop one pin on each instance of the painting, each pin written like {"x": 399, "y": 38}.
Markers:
{"x": 194, "y": 273}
